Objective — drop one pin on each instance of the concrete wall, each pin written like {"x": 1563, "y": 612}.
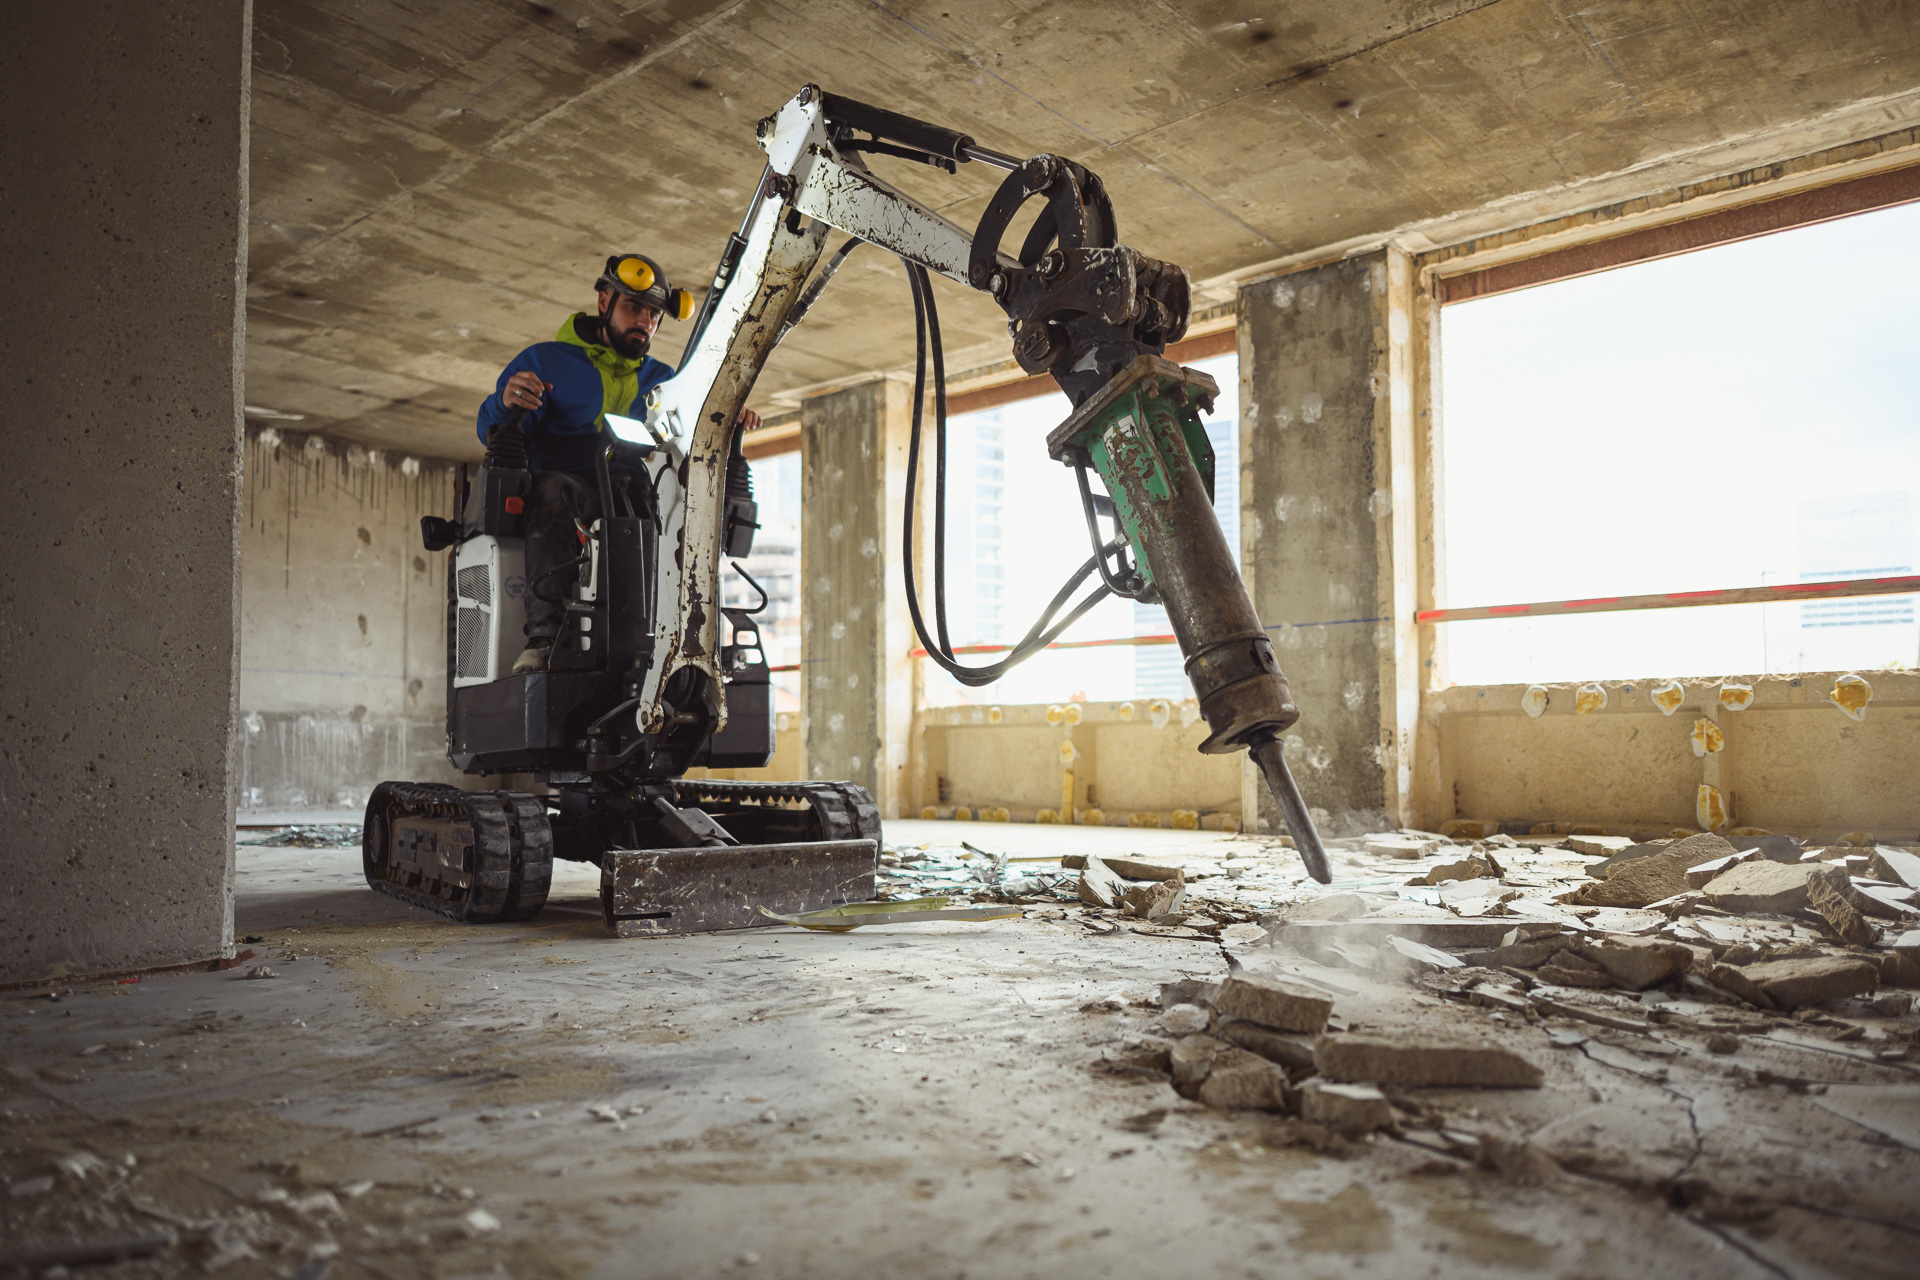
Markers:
{"x": 1791, "y": 761}
{"x": 343, "y": 626}
{"x": 1121, "y": 761}
{"x": 1327, "y": 535}
{"x": 124, "y": 200}
{"x": 854, "y": 625}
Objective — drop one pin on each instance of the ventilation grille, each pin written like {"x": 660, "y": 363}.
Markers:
{"x": 475, "y": 584}
{"x": 474, "y": 639}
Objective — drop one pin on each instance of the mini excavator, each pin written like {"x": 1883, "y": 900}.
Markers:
{"x": 642, "y": 686}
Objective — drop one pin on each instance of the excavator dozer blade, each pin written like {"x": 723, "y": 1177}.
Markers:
{"x": 653, "y": 892}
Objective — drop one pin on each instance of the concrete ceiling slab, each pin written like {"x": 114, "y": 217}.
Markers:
{"x": 435, "y": 184}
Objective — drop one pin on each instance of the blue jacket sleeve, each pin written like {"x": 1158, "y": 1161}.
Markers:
{"x": 493, "y": 411}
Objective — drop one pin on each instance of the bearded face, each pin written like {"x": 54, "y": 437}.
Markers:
{"x": 627, "y": 326}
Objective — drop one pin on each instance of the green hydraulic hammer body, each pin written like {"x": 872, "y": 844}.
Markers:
{"x": 1142, "y": 433}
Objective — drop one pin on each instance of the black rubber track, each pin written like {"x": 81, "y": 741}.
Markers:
{"x": 512, "y": 850}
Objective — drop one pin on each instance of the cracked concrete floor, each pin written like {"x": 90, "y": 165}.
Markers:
{"x": 938, "y": 1101}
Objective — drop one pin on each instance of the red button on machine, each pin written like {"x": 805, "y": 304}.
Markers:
{"x": 514, "y": 505}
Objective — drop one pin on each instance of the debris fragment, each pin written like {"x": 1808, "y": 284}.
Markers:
{"x": 1832, "y": 895}
{"x": 1272, "y": 1002}
{"x": 1636, "y": 963}
{"x": 1721, "y": 1042}
{"x": 1154, "y": 900}
{"x": 1268, "y": 1043}
{"x": 1811, "y": 980}
{"x": 1398, "y": 845}
{"x": 1349, "y": 1108}
{"x": 1639, "y": 880}
{"x": 478, "y": 1222}
{"x": 1472, "y": 867}
{"x": 1185, "y": 1020}
{"x": 1189, "y": 1061}
{"x": 1894, "y": 865}
{"x": 1760, "y": 888}
{"x": 1422, "y": 1061}
{"x": 1419, "y": 956}
{"x": 1336, "y": 906}
{"x": 1100, "y": 886}
{"x": 1731, "y": 978}
{"x": 1187, "y": 991}
{"x": 1241, "y": 1081}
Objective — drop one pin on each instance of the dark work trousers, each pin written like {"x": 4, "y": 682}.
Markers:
{"x": 558, "y": 499}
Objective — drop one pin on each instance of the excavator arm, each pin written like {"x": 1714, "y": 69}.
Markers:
{"x": 1092, "y": 312}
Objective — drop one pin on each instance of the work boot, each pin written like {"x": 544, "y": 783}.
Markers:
{"x": 533, "y": 657}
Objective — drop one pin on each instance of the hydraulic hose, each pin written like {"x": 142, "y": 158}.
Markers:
{"x": 1044, "y": 630}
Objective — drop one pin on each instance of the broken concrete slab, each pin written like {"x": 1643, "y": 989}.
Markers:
{"x": 1185, "y": 1020}
{"x": 1581, "y": 1013}
{"x": 1189, "y": 1061}
{"x": 1295, "y": 1055}
{"x": 1100, "y": 886}
{"x": 1760, "y": 888}
{"x": 1419, "y": 956}
{"x": 1600, "y": 846}
{"x": 1895, "y": 865}
{"x": 1519, "y": 955}
{"x": 1898, "y": 969}
{"x": 1241, "y": 1081}
{"x": 1885, "y": 901}
{"x": 1348, "y": 1108}
{"x": 1374, "y": 930}
{"x": 1420, "y": 1060}
{"x": 1272, "y": 1002}
{"x": 1472, "y": 867}
{"x": 1831, "y": 894}
{"x": 1337, "y": 906}
{"x": 1812, "y": 980}
{"x": 1126, "y": 868}
{"x": 1187, "y": 991}
{"x": 1734, "y": 980}
{"x": 1153, "y": 900}
{"x": 1637, "y": 963}
{"x": 1633, "y": 884}
{"x": 1700, "y": 874}
{"x": 1774, "y": 848}
{"x": 1403, "y": 846}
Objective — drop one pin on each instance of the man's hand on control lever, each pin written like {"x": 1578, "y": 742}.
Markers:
{"x": 749, "y": 420}
{"x": 524, "y": 390}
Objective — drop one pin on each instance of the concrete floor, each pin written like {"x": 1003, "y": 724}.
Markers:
{"x": 916, "y": 1101}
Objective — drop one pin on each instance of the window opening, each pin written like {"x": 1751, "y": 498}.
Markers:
{"x": 1743, "y": 415}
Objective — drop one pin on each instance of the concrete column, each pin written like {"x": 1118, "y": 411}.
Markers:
{"x": 855, "y": 631}
{"x": 125, "y": 201}
{"x": 1327, "y": 527}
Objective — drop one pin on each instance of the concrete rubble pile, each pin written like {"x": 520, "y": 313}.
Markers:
{"x": 1693, "y": 948}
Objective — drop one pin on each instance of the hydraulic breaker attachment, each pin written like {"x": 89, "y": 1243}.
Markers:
{"x": 1142, "y": 433}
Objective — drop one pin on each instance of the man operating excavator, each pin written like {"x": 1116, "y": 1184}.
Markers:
{"x": 596, "y": 365}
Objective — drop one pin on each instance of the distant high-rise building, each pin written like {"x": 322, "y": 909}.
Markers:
{"x": 1868, "y": 535}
